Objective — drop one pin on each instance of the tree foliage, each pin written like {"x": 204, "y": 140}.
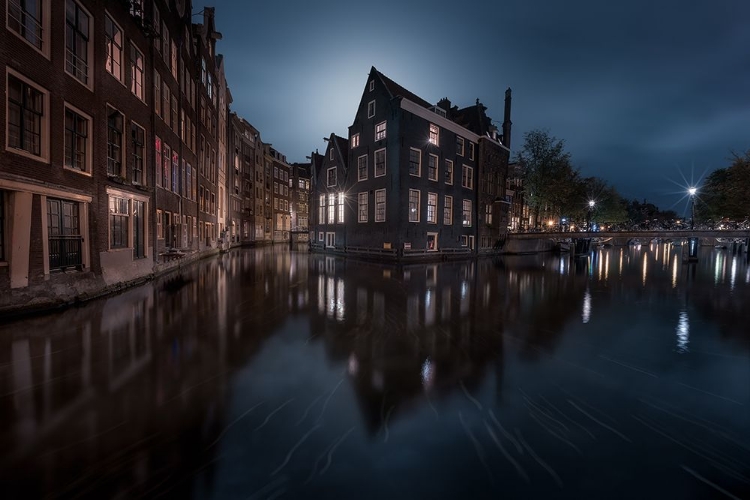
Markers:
{"x": 724, "y": 194}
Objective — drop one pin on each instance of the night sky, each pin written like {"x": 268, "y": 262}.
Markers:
{"x": 649, "y": 95}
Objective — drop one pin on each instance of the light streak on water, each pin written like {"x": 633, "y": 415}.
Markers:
{"x": 645, "y": 267}
{"x": 674, "y": 272}
{"x": 733, "y": 273}
{"x": 683, "y": 333}
{"x": 586, "y": 315}
{"x": 606, "y": 267}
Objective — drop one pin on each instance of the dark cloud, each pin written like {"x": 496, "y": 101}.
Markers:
{"x": 643, "y": 92}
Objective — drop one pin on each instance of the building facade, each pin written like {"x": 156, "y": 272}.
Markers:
{"x": 413, "y": 179}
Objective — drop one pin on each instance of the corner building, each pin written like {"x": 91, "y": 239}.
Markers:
{"x": 413, "y": 180}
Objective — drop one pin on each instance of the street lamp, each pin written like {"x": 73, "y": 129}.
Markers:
{"x": 691, "y": 192}
{"x": 591, "y": 208}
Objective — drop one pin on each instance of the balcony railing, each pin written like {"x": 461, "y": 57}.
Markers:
{"x": 65, "y": 252}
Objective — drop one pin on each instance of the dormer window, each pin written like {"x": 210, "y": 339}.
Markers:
{"x": 370, "y": 109}
{"x": 372, "y": 85}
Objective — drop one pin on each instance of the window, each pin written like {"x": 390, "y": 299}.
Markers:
{"x": 330, "y": 153}
{"x": 448, "y": 172}
{"x": 157, "y": 150}
{"x": 341, "y": 208}
{"x": 76, "y": 141}
{"x": 25, "y": 115}
{"x": 115, "y": 123}
{"x": 136, "y": 8}
{"x": 434, "y": 134}
{"x": 370, "y": 109}
{"x": 157, "y": 25}
{"x": 467, "y": 213}
{"x": 414, "y": 205}
{"x": 77, "y": 41}
{"x": 432, "y": 164}
{"x": 118, "y": 222}
{"x": 432, "y": 242}
{"x": 431, "y": 208}
{"x": 321, "y": 236}
{"x": 166, "y": 171}
{"x": 331, "y": 177}
{"x": 26, "y": 19}
{"x": 467, "y": 177}
{"x": 459, "y": 146}
{"x": 464, "y": 241}
{"x": 113, "y": 35}
{"x": 372, "y": 85}
{"x": 488, "y": 214}
{"x": 175, "y": 171}
{"x": 322, "y": 210}
{"x": 157, "y": 93}
{"x": 379, "y": 162}
{"x": 331, "y": 208}
{"x": 448, "y": 211}
{"x": 471, "y": 150}
{"x": 166, "y": 98}
{"x": 136, "y": 72}
{"x": 415, "y": 162}
{"x": 362, "y": 168}
{"x": 380, "y": 131}
{"x": 380, "y": 205}
{"x": 355, "y": 141}
{"x": 173, "y": 61}
{"x": 165, "y": 42}
{"x": 159, "y": 226}
{"x": 362, "y": 207}
{"x": 65, "y": 242}
{"x": 173, "y": 111}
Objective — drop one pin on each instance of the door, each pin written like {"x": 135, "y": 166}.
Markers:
{"x": 65, "y": 241}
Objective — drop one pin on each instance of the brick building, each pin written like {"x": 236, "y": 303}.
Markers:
{"x": 413, "y": 179}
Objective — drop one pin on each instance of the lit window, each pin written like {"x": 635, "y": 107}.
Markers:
{"x": 415, "y": 162}
{"x": 467, "y": 177}
{"x": 362, "y": 168}
{"x": 115, "y": 123}
{"x": 434, "y": 134}
{"x": 136, "y": 72}
{"x": 370, "y": 109}
{"x": 331, "y": 208}
{"x": 379, "y": 162}
{"x": 77, "y": 41}
{"x": 322, "y": 210}
{"x": 113, "y": 35}
{"x": 341, "y": 208}
{"x": 380, "y": 131}
{"x": 380, "y": 205}
{"x": 467, "y": 213}
{"x": 362, "y": 206}
{"x": 488, "y": 214}
{"x": 76, "y": 141}
{"x": 432, "y": 208}
{"x": 414, "y": 205}
{"x": 459, "y": 146}
{"x": 355, "y": 141}
{"x": 432, "y": 168}
{"x": 448, "y": 211}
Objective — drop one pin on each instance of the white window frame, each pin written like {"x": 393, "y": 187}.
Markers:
{"x": 467, "y": 177}
{"x": 330, "y": 240}
{"x": 414, "y": 212}
{"x": 432, "y": 201}
{"x": 375, "y": 161}
{"x": 370, "y": 109}
{"x": 360, "y": 175}
{"x": 372, "y": 85}
{"x": 137, "y": 85}
{"x": 378, "y": 193}
{"x": 435, "y": 236}
{"x": 434, "y": 158}
{"x": 448, "y": 210}
{"x": 419, "y": 163}
{"x": 471, "y": 150}
{"x": 380, "y": 131}
{"x": 44, "y": 126}
{"x": 340, "y": 209}
{"x": 90, "y": 63}
{"x": 355, "y": 141}
{"x": 123, "y": 138}
{"x": 460, "y": 145}
{"x": 434, "y": 134}
{"x": 89, "y": 143}
{"x": 44, "y": 26}
{"x": 466, "y": 209}
{"x": 321, "y": 236}
{"x": 363, "y": 202}
{"x": 111, "y": 48}
{"x": 331, "y": 208}
{"x": 449, "y": 169}
{"x": 328, "y": 177}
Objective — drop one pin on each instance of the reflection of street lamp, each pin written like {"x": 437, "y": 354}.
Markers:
{"x": 691, "y": 192}
{"x": 591, "y": 208}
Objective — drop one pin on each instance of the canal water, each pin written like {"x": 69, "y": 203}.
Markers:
{"x": 265, "y": 373}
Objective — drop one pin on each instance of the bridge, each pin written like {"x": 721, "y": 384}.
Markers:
{"x": 737, "y": 239}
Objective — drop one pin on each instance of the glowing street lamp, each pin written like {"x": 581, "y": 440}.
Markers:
{"x": 591, "y": 208}
{"x": 691, "y": 192}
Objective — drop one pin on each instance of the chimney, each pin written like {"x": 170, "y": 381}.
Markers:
{"x": 506, "y": 120}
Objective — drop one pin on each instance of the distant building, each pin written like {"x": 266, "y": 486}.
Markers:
{"x": 300, "y": 197}
{"x": 413, "y": 178}
{"x": 281, "y": 214}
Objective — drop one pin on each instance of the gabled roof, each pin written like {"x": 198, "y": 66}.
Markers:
{"x": 397, "y": 90}
{"x": 343, "y": 147}
{"x": 474, "y": 118}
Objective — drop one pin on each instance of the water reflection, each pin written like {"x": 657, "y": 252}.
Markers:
{"x": 245, "y": 370}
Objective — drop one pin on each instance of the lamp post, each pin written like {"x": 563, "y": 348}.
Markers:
{"x": 692, "y": 192}
{"x": 591, "y": 208}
